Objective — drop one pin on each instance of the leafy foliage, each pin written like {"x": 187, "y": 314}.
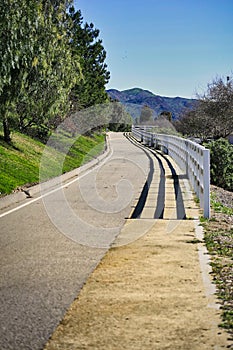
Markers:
{"x": 88, "y": 47}
{"x": 48, "y": 58}
{"x": 37, "y": 71}
{"x": 221, "y": 156}
{"x": 52, "y": 75}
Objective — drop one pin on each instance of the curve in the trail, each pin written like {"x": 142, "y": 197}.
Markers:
{"x": 160, "y": 205}
{"x": 42, "y": 269}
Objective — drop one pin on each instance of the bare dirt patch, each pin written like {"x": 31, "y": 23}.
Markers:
{"x": 146, "y": 295}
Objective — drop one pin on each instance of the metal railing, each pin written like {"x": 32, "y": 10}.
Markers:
{"x": 191, "y": 158}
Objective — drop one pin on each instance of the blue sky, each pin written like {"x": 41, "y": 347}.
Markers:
{"x": 170, "y": 47}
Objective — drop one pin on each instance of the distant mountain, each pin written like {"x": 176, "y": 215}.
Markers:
{"x": 135, "y": 98}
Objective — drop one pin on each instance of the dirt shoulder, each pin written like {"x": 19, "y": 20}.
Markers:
{"x": 145, "y": 295}
{"x": 219, "y": 241}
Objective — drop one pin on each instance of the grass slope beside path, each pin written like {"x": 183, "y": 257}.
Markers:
{"x": 20, "y": 161}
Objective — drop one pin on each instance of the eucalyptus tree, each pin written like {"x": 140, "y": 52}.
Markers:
{"x": 37, "y": 71}
{"x": 54, "y": 72}
{"x": 18, "y": 21}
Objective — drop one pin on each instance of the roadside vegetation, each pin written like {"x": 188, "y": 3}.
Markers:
{"x": 211, "y": 122}
{"x": 219, "y": 242}
{"x": 20, "y": 160}
{"x": 221, "y": 160}
{"x": 52, "y": 64}
{"x": 212, "y": 117}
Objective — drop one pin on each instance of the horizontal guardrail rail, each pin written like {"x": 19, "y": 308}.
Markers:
{"x": 191, "y": 157}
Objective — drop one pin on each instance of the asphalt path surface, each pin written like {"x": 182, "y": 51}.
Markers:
{"x": 52, "y": 242}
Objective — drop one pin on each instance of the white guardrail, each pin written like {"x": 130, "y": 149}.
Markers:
{"x": 191, "y": 157}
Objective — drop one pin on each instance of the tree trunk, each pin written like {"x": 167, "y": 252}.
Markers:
{"x": 6, "y": 130}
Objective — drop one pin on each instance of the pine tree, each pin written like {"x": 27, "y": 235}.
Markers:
{"x": 88, "y": 47}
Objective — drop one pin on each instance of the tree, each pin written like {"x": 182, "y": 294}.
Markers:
{"x": 54, "y": 73}
{"x": 119, "y": 119}
{"x": 167, "y": 115}
{"x": 37, "y": 67}
{"x": 216, "y": 105}
{"x": 146, "y": 116}
{"x": 192, "y": 124}
{"x": 18, "y": 22}
{"x": 213, "y": 115}
{"x": 86, "y": 44}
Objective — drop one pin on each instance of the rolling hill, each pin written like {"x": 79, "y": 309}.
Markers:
{"x": 135, "y": 98}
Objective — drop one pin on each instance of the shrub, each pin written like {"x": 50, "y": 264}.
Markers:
{"x": 221, "y": 163}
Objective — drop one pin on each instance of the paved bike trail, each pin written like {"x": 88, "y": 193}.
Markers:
{"x": 152, "y": 290}
{"x": 51, "y": 243}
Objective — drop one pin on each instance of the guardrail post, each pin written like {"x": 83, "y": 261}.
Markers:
{"x": 206, "y": 183}
{"x": 152, "y": 140}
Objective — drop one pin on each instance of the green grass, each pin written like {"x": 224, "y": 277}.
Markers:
{"x": 20, "y": 162}
{"x": 220, "y": 242}
{"x": 219, "y": 207}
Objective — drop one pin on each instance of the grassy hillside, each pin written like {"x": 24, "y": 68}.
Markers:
{"x": 20, "y": 161}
